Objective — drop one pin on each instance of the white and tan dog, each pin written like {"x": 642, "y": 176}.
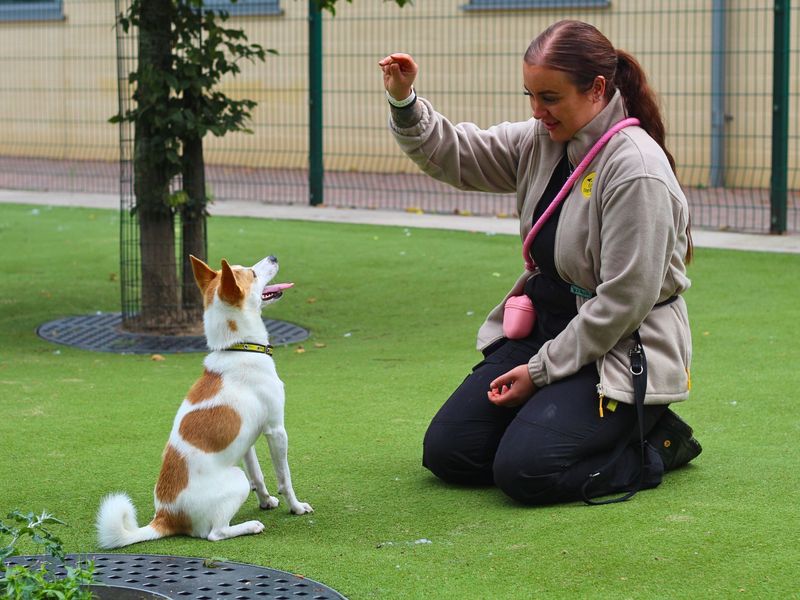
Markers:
{"x": 238, "y": 397}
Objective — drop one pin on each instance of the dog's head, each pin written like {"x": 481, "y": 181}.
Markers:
{"x": 237, "y": 286}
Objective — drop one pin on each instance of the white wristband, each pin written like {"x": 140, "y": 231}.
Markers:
{"x": 401, "y": 103}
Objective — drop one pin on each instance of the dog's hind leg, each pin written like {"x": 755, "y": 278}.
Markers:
{"x": 278, "y": 449}
{"x": 233, "y": 489}
{"x": 256, "y": 478}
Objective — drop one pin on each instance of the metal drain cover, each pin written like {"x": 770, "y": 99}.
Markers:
{"x": 101, "y": 332}
{"x": 178, "y": 577}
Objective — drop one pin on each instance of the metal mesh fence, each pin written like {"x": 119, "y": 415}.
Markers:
{"x": 130, "y": 254}
{"x": 710, "y": 61}
{"x": 57, "y": 90}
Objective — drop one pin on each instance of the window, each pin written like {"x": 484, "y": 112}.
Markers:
{"x": 522, "y": 4}
{"x": 245, "y": 7}
{"x": 31, "y": 10}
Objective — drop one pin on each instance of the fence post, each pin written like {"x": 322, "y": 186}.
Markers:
{"x": 780, "y": 117}
{"x": 718, "y": 43}
{"x": 315, "y": 167}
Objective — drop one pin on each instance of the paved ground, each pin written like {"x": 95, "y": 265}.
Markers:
{"x": 246, "y": 208}
{"x": 744, "y": 210}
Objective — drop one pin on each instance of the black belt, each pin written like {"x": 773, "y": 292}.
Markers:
{"x": 669, "y": 300}
{"x": 584, "y": 293}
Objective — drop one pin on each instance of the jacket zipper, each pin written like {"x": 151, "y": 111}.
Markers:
{"x": 601, "y": 397}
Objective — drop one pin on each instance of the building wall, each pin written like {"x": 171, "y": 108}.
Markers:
{"x": 58, "y": 85}
{"x": 58, "y": 80}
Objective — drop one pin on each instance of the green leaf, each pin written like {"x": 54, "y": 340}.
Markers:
{"x": 21, "y": 517}
{"x": 213, "y": 562}
{"x": 177, "y": 199}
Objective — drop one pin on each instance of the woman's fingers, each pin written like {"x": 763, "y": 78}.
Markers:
{"x": 512, "y": 388}
{"x": 502, "y": 381}
{"x": 499, "y": 389}
{"x": 404, "y": 61}
{"x": 502, "y": 396}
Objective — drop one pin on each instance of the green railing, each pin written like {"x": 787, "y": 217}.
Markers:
{"x": 727, "y": 73}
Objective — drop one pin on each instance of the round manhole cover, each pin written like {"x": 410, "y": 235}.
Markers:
{"x": 178, "y": 577}
{"x": 102, "y": 332}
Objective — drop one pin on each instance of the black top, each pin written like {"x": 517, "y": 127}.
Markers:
{"x": 551, "y": 295}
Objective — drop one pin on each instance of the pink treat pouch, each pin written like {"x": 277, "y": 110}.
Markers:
{"x": 518, "y": 317}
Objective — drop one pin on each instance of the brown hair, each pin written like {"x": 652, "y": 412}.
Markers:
{"x": 582, "y": 52}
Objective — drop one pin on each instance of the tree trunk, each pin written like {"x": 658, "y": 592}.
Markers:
{"x": 193, "y": 224}
{"x": 160, "y": 307}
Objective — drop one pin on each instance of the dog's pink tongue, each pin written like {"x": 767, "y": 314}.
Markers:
{"x": 278, "y": 287}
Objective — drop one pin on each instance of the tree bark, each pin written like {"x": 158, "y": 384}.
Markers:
{"x": 160, "y": 307}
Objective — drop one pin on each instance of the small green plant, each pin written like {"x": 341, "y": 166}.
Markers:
{"x": 23, "y": 583}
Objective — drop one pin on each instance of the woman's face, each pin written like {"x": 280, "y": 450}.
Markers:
{"x": 558, "y": 104}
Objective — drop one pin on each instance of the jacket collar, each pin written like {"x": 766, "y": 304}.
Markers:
{"x": 583, "y": 140}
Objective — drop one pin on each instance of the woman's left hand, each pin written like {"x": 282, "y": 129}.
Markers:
{"x": 513, "y": 388}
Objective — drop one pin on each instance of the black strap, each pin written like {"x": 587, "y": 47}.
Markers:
{"x": 638, "y": 371}
{"x": 669, "y": 300}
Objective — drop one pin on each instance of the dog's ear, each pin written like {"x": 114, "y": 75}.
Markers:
{"x": 203, "y": 274}
{"x": 229, "y": 289}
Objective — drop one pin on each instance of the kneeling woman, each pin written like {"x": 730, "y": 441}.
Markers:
{"x": 552, "y": 416}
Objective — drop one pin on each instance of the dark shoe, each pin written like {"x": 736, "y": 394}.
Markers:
{"x": 673, "y": 440}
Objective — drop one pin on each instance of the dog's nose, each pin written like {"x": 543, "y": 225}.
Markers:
{"x": 272, "y": 259}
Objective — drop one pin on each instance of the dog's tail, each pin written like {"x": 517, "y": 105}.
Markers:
{"x": 117, "y": 526}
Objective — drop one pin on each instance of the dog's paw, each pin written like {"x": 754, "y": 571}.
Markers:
{"x": 254, "y": 527}
{"x": 301, "y": 508}
{"x": 268, "y": 502}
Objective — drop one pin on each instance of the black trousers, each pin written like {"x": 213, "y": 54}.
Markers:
{"x": 543, "y": 451}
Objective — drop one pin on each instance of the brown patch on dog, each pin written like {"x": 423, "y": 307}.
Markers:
{"x": 232, "y": 325}
{"x": 211, "y": 429}
{"x": 205, "y": 388}
{"x": 167, "y": 522}
{"x": 231, "y": 290}
{"x": 174, "y": 476}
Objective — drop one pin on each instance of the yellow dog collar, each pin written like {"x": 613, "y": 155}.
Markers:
{"x": 248, "y": 347}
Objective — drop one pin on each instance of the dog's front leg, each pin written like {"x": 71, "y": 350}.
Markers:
{"x": 278, "y": 443}
{"x": 256, "y": 477}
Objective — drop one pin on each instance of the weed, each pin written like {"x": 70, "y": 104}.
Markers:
{"x": 20, "y": 582}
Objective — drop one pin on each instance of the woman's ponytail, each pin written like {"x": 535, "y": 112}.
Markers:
{"x": 640, "y": 99}
{"x": 640, "y": 102}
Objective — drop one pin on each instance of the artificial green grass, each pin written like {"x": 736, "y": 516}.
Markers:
{"x": 393, "y": 314}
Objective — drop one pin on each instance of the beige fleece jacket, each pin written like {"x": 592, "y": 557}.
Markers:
{"x": 622, "y": 235}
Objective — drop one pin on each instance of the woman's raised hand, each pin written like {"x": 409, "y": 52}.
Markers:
{"x": 399, "y": 73}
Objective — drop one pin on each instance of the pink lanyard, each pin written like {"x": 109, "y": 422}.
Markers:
{"x": 526, "y": 245}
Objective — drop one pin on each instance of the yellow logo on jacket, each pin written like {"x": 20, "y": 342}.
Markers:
{"x": 587, "y": 183}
